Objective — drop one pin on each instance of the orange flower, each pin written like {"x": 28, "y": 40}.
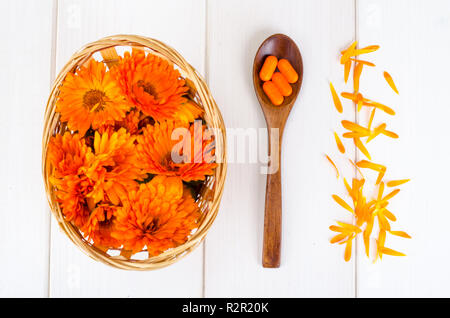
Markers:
{"x": 67, "y": 154}
{"x": 160, "y": 215}
{"x": 71, "y": 193}
{"x": 90, "y": 97}
{"x": 100, "y": 224}
{"x": 131, "y": 122}
{"x": 150, "y": 83}
{"x": 113, "y": 168}
{"x": 156, "y": 150}
{"x": 188, "y": 112}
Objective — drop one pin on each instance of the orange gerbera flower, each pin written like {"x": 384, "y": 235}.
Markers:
{"x": 90, "y": 97}
{"x": 100, "y": 224}
{"x": 156, "y": 151}
{"x": 150, "y": 83}
{"x": 113, "y": 168}
{"x": 160, "y": 215}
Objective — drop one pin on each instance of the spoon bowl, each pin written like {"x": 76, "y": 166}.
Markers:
{"x": 280, "y": 46}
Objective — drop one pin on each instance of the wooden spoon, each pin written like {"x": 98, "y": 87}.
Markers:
{"x": 280, "y": 46}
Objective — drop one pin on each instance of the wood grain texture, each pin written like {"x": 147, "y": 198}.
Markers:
{"x": 181, "y": 24}
{"x": 25, "y": 63}
{"x": 311, "y": 266}
{"x": 415, "y": 46}
{"x": 282, "y": 47}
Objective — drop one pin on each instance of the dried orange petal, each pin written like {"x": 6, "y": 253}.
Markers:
{"x": 347, "y": 67}
{"x": 338, "y": 238}
{"x": 348, "y": 251}
{"x": 395, "y": 183}
{"x": 400, "y": 233}
{"x": 339, "y": 143}
{"x": 363, "y": 62}
{"x": 334, "y": 165}
{"x": 389, "y": 251}
{"x": 370, "y": 165}
{"x": 367, "y": 49}
{"x": 356, "y": 76}
{"x": 336, "y": 100}
{"x": 361, "y": 147}
{"x": 390, "y": 81}
{"x": 342, "y": 203}
{"x": 355, "y": 127}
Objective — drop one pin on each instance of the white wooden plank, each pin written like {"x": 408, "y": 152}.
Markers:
{"x": 180, "y": 24}
{"x": 26, "y": 28}
{"x": 414, "y": 48}
{"x": 310, "y": 265}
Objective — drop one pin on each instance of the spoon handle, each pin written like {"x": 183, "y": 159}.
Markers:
{"x": 272, "y": 217}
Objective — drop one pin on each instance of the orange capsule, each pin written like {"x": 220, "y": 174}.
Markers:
{"x": 281, "y": 82}
{"x": 269, "y": 66}
{"x": 273, "y": 93}
{"x": 287, "y": 70}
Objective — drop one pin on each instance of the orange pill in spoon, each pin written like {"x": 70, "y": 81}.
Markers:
{"x": 269, "y": 66}
{"x": 288, "y": 71}
{"x": 283, "y": 85}
{"x": 273, "y": 93}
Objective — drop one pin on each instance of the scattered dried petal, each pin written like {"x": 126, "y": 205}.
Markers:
{"x": 363, "y": 62}
{"x": 349, "y": 52}
{"x": 338, "y": 238}
{"x": 355, "y": 127}
{"x": 389, "y": 133}
{"x": 342, "y": 203}
{"x": 370, "y": 165}
{"x": 356, "y": 76}
{"x": 367, "y": 49}
{"x": 390, "y": 81}
{"x": 389, "y": 251}
{"x": 334, "y": 165}
{"x": 391, "y": 195}
{"x": 380, "y": 176}
{"x": 400, "y": 233}
{"x": 361, "y": 147}
{"x": 347, "y": 67}
{"x": 395, "y": 183}
{"x": 348, "y": 251}
{"x": 372, "y": 115}
{"x": 336, "y": 100}
{"x": 339, "y": 143}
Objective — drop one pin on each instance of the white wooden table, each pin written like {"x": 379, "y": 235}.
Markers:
{"x": 220, "y": 39}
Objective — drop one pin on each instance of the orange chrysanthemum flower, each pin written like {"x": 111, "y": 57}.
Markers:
{"x": 131, "y": 122}
{"x": 71, "y": 193}
{"x": 188, "y": 112}
{"x": 90, "y": 97}
{"x": 160, "y": 215}
{"x": 155, "y": 151}
{"x": 150, "y": 83}
{"x": 99, "y": 226}
{"x": 113, "y": 168}
{"x": 67, "y": 153}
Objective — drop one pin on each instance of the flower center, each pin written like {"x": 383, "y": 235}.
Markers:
{"x": 153, "y": 226}
{"x": 167, "y": 162}
{"x": 148, "y": 88}
{"x": 94, "y": 100}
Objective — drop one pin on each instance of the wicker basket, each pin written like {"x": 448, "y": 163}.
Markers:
{"x": 211, "y": 192}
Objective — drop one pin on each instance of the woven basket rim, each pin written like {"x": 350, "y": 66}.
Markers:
{"x": 213, "y": 118}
